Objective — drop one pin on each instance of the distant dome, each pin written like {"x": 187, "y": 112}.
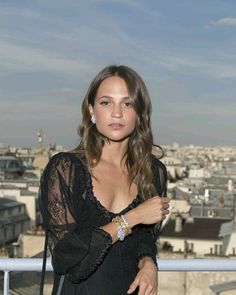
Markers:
{"x": 11, "y": 165}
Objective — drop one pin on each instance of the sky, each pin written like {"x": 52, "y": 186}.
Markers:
{"x": 184, "y": 50}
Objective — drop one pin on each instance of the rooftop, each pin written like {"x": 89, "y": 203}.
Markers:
{"x": 227, "y": 228}
{"x": 200, "y": 228}
{"x": 8, "y": 203}
{"x": 223, "y": 287}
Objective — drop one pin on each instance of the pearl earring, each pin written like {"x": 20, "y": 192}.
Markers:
{"x": 93, "y": 119}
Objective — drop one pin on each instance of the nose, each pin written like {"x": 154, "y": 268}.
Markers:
{"x": 116, "y": 111}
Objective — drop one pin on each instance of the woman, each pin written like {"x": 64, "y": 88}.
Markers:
{"x": 101, "y": 203}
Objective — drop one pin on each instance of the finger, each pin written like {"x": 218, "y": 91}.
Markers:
{"x": 132, "y": 287}
{"x": 149, "y": 291}
{"x": 164, "y": 207}
{"x": 166, "y": 212}
{"x": 142, "y": 289}
{"x": 166, "y": 200}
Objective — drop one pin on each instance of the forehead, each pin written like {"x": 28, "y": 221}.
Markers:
{"x": 113, "y": 86}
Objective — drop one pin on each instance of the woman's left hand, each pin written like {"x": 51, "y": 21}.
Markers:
{"x": 146, "y": 279}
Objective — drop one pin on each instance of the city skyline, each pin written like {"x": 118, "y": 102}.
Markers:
{"x": 185, "y": 52}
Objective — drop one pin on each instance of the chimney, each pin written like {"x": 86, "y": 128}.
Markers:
{"x": 206, "y": 195}
{"x": 202, "y": 208}
{"x": 178, "y": 223}
{"x": 230, "y": 185}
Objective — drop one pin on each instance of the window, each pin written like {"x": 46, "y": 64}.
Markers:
{"x": 10, "y": 211}
{"x": 2, "y": 164}
{"x": 218, "y": 249}
{"x": 14, "y": 164}
{"x": 189, "y": 247}
{"x": 5, "y": 233}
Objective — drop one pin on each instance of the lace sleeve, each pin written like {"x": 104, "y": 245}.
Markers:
{"x": 160, "y": 182}
{"x": 149, "y": 234}
{"x": 77, "y": 247}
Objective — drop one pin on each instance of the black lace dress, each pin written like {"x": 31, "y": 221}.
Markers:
{"x": 80, "y": 249}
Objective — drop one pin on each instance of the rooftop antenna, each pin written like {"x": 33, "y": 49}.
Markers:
{"x": 41, "y": 137}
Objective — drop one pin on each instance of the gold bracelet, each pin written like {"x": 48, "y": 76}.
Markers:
{"x": 123, "y": 224}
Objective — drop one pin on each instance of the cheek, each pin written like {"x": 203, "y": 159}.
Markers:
{"x": 132, "y": 122}
{"x": 133, "y": 118}
{"x": 99, "y": 114}
{"x": 102, "y": 116}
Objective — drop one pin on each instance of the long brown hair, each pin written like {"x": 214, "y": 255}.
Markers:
{"x": 138, "y": 157}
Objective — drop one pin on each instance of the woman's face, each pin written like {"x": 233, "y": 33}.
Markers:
{"x": 113, "y": 109}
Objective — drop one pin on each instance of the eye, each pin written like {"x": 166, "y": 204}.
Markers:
{"x": 127, "y": 104}
{"x": 105, "y": 103}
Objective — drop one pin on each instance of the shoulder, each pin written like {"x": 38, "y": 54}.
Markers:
{"x": 157, "y": 164}
{"x": 159, "y": 175}
{"x": 65, "y": 157}
{"x": 64, "y": 161}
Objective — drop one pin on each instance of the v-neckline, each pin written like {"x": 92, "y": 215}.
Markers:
{"x": 101, "y": 207}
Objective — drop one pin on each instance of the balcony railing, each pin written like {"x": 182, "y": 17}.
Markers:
{"x": 35, "y": 264}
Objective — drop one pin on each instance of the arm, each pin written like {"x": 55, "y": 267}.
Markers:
{"x": 147, "y": 277}
{"x": 77, "y": 248}
{"x": 149, "y": 234}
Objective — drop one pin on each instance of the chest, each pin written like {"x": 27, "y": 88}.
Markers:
{"x": 112, "y": 189}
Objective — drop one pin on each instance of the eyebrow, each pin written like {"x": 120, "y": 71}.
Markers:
{"x": 110, "y": 97}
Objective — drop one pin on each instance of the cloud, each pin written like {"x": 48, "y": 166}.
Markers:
{"x": 24, "y": 58}
{"x": 203, "y": 66}
{"x": 192, "y": 64}
{"x": 227, "y": 21}
{"x": 14, "y": 11}
{"x": 133, "y": 4}
{"x": 217, "y": 66}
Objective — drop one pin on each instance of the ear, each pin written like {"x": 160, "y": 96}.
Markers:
{"x": 90, "y": 109}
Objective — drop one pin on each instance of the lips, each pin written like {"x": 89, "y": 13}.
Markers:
{"x": 116, "y": 125}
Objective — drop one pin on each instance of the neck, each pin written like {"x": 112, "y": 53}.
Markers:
{"x": 113, "y": 152}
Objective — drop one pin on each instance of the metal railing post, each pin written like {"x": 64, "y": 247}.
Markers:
{"x": 6, "y": 283}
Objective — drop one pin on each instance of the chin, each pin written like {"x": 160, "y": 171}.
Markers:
{"x": 116, "y": 138}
